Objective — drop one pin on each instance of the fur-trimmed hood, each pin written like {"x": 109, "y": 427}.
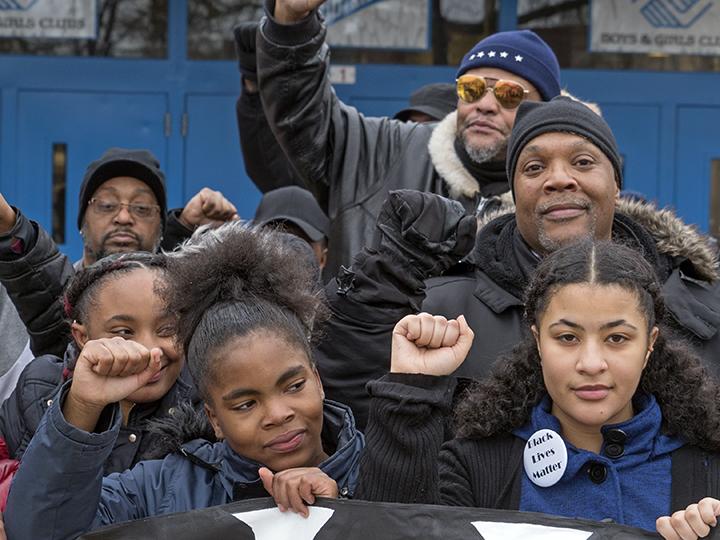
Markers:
{"x": 673, "y": 237}
{"x": 459, "y": 181}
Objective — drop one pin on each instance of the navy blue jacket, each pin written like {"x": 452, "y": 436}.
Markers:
{"x": 72, "y": 496}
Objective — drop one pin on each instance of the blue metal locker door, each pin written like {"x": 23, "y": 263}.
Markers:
{"x": 637, "y": 131}
{"x": 82, "y": 125}
{"x": 697, "y": 145}
{"x": 212, "y": 152}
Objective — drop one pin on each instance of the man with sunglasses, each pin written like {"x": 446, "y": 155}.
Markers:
{"x": 351, "y": 162}
{"x": 122, "y": 207}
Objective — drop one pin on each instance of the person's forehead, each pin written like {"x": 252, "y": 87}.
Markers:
{"x": 126, "y": 186}
{"x": 560, "y": 141}
{"x": 497, "y": 73}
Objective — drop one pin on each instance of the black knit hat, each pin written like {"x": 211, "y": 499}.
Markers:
{"x": 564, "y": 115}
{"x": 437, "y": 100}
{"x": 139, "y": 164}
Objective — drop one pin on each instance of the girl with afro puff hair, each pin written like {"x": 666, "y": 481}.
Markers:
{"x": 246, "y": 305}
{"x": 634, "y": 410}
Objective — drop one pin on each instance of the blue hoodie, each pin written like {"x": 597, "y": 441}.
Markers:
{"x": 59, "y": 491}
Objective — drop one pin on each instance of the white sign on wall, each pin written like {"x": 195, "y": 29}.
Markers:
{"x": 398, "y": 24}
{"x": 656, "y": 26}
{"x": 48, "y": 18}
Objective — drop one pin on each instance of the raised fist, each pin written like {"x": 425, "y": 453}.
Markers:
{"x": 207, "y": 207}
{"x": 429, "y": 344}
{"x": 424, "y": 232}
{"x": 292, "y": 11}
{"x": 110, "y": 369}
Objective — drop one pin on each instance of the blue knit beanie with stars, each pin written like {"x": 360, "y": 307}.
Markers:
{"x": 521, "y": 52}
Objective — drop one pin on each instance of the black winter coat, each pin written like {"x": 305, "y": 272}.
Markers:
{"x": 406, "y": 459}
{"x": 35, "y": 279}
{"x": 369, "y": 300}
{"x": 349, "y": 161}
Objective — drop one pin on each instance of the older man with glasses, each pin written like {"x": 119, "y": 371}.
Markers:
{"x": 122, "y": 207}
{"x": 351, "y": 162}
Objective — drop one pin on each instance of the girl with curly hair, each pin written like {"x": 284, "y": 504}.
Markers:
{"x": 246, "y": 305}
{"x": 632, "y": 409}
{"x": 113, "y": 300}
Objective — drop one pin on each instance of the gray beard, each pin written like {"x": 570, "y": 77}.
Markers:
{"x": 486, "y": 153}
{"x": 550, "y": 245}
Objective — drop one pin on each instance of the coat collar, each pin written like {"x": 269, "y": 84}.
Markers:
{"x": 459, "y": 181}
{"x": 673, "y": 237}
{"x": 342, "y": 465}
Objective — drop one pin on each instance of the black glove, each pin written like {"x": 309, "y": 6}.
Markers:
{"x": 425, "y": 233}
{"x": 245, "y": 48}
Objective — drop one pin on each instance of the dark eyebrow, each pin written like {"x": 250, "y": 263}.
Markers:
{"x": 611, "y": 324}
{"x": 565, "y": 322}
{"x": 288, "y": 374}
{"x": 122, "y": 318}
{"x": 574, "y": 147}
{"x": 135, "y": 192}
{"x": 619, "y": 322}
{"x": 530, "y": 148}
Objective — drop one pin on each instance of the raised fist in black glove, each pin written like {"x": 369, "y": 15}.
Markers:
{"x": 424, "y": 233}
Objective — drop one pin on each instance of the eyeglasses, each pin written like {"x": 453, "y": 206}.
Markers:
{"x": 509, "y": 94}
{"x": 111, "y": 208}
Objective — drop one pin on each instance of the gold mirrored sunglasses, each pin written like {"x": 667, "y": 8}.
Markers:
{"x": 509, "y": 94}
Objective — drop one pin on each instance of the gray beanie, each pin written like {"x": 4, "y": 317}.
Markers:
{"x": 565, "y": 115}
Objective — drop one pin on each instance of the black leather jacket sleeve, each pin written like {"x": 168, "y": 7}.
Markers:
{"x": 265, "y": 162}
{"x": 419, "y": 236}
{"x": 34, "y": 280}
{"x": 341, "y": 155}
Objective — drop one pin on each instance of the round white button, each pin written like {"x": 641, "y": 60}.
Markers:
{"x": 132, "y": 437}
{"x": 545, "y": 458}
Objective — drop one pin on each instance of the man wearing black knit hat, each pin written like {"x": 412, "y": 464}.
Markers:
{"x": 122, "y": 207}
{"x": 566, "y": 176}
{"x": 350, "y": 162}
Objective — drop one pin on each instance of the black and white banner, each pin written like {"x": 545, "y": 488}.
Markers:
{"x": 48, "y": 18}
{"x": 259, "y": 519}
{"x": 655, "y": 26}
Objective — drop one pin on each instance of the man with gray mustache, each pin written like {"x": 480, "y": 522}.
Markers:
{"x": 566, "y": 173}
{"x": 350, "y": 162}
{"x": 122, "y": 207}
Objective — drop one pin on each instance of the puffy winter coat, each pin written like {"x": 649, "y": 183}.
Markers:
{"x": 37, "y": 389}
{"x": 382, "y": 287}
{"x": 73, "y": 498}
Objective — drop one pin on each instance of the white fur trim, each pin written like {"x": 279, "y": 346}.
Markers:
{"x": 441, "y": 147}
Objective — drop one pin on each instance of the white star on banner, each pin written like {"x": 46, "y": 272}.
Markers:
{"x": 491, "y": 54}
{"x": 497, "y": 530}
{"x": 518, "y": 58}
{"x": 481, "y": 54}
{"x": 503, "y": 54}
{"x": 270, "y": 523}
